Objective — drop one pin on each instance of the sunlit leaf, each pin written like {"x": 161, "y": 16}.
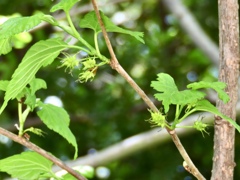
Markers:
{"x": 40, "y": 54}
{"x": 164, "y": 83}
{"x": 217, "y": 86}
{"x": 17, "y": 25}
{"x": 5, "y": 45}
{"x": 27, "y": 165}
{"x": 65, "y": 5}
{"x": 57, "y": 119}
{"x": 90, "y": 21}
{"x": 3, "y": 85}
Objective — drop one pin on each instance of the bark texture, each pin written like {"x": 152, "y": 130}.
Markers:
{"x": 224, "y": 136}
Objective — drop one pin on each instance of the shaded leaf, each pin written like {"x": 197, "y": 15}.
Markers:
{"x": 40, "y": 54}
{"x": 65, "y": 5}
{"x": 19, "y": 24}
{"x": 30, "y": 99}
{"x": 57, "y": 119}
{"x": 27, "y": 165}
{"x": 37, "y": 84}
{"x": 90, "y": 21}
{"x": 217, "y": 86}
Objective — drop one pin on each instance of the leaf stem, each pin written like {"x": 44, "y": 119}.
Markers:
{"x": 96, "y": 44}
{"x": 176, "y": 121}
{"x": 77, "y": 35}
{"x": 177, "y": 113}
{"x": 20, "y": 130}
{"x": 184, "y": 127}
{"x": 22, "y": 117}
{"x": 185, "y": 116}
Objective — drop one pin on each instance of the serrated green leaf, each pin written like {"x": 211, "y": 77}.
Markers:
{"x": 3, "y": 85}
{"x": 39, "y": 55}
{"x": 19, "y": 24}
{"x": 57, "y": 119}
{"x": 205, "y": 105}
{"x": 27, "y": 165}
{"x": 90, "y": 21}
{"x": 170, "y": 93}
{"x": 164, "y": 83}
{"x": 5, "y": 45}
{"x": 65, "y": 5}
{"x": 217, "y": 86}
{"x": 179, "y": 97}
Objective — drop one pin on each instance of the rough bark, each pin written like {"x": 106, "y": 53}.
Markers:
{"x": 224, "y": 136}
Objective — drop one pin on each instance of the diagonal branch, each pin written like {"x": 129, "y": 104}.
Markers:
{"x": 115, "y": 65}
{"x": 40, "y": 151}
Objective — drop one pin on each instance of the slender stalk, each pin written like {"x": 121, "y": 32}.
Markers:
{"x": 80, "y": 48}
{"x": 177, "y": 113}
{"x": 20, "y": 118}
{"x": 115, "y": 65}
{"x": 77, "y": 35}
{"x": 96, "y": 43}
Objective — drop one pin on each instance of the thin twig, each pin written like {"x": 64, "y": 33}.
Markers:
{"x": 40, "y": 151}
{"x": 115, "y": 65}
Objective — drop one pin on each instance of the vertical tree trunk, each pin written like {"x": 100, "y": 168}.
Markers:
{"x": 224, "y": 136}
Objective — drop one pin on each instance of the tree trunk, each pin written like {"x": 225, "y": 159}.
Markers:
{"x": 224, "y": 135}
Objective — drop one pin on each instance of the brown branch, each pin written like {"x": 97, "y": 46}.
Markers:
{"x": 40, "y": 151}
{"x": 115, "y": 65}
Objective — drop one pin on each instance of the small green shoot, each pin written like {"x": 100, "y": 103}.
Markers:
{"x": 189, "y": 101}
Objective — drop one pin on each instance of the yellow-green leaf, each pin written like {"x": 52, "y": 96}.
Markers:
{"x": 40, "y": 54}
{"x": 27, "y": 165}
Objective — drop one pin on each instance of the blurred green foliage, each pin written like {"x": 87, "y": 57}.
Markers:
{"x": 107, "y": 110}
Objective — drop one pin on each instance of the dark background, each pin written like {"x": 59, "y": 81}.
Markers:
{"x": 107, "y": 110}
